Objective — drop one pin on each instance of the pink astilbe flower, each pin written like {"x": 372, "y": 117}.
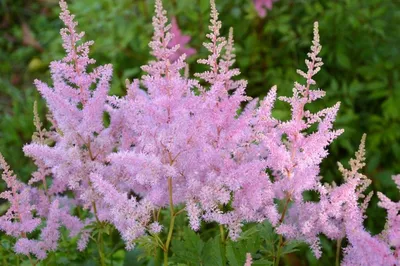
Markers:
{"x": 195, "y": 142}
{"x": 18, "y": 219}
{"x": 296, "y": 155}
{"x": 122, "y": 211}
{"x": 181, "y": 40}
{"x": 340, "y": 214}
{"x": 77, "y": 102}
{"x": 73, "y": 104}
{"x": 231, "y": 155}
{"x": 176, "y": 141}
{"x": 48, "y": 238}
{"x": 391, "y": 234}
{"x": 262, "y": 6}
{"x": 81, "y": 141}
{"x": 348, "y": 214}
{"x": 292, "y": 154}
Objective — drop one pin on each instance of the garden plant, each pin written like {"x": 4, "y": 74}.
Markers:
{"x": 186, "y": 168}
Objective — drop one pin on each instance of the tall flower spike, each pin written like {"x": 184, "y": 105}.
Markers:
{"x": 161, "y": 37}
{"x": 163, "y": 47}
{"x": 75, "y": 54}
{"x": 229, "y": 56}
{"x": 357, "y": 164}
{"x": 68, "y": 100}
{"x": 18, "y": 219}
{"x": 215, "y": 46}
{"x": 314, "y": 64}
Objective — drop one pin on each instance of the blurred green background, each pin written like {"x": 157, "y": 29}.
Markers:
{"x": 361, "y": 52}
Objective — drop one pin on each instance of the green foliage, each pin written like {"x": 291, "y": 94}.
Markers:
{"x": 261, "y": 241}
{"x": 190, "y": 249}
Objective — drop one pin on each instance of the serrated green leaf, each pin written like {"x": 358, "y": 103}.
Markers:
{"x": 149, "y": 244}
{"x": 188, "y": 249}
{"x": 290, "y": 247}
{"x": 267, "y": 233}
{"x": 248, "y": 233}
{"x": 235, "y": 253}
{"x": 211, "y": 255}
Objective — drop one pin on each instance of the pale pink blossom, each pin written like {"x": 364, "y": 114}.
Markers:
{"x": 262, "y": 6}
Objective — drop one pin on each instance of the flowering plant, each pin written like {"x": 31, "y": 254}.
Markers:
{"x": 196, "y": 145}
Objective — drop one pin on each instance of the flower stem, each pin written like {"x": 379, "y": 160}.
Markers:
{"x": 100, "y": 248}
{"x": 281, "y": 243}
{"x": 338, "y": 246}
{"x": 99, "y": 242}
{"x": 171, "y": 223}
{"x": 223, "y": 244}
{"x": 31, "y": 260}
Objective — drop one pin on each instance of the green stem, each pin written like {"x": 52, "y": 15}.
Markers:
{"x": 278, "y": 253}
{"x": 281, "y": 243}
{"x": 100, "y": 248}
{"x": 31, "y": 261}
{"x": 223, "y": 244}
{"x": 171, "y": 223}
{"x": 99, "y": 242}
{"x": 338, "y": 246}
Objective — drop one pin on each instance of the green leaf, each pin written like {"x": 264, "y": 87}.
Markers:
{"x": 150, "y": 245}
{"x": 249, "y": 242}
{"x": 290, "y": 247}
{"x": 211, "y": 254}
{"x": 204, "y": 6}
{"x": 267, "y": 233}
{"x": 235, "y": 253}
{"x": 188, "y": 249}
{"x": 343, "y": 60}
{"x": 248, "y": 233}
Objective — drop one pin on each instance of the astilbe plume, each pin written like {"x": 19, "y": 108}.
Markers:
{"x": 80, "y": 140}
{"x": 178, "y": 146}
{"x": 391, "y": 234}
{"x": 232, "y": 156}
{"x": 363, "y": 248}
{"x": 178, "y": 141}
{"x": 18, "y": 220}
{"x": 293, "y": 152}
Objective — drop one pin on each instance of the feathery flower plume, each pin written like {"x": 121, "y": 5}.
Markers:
{"x": 175, "y": 141}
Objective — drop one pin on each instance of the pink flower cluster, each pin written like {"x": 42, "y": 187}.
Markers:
{"x": 188, "y": 142}
{"x": 262, "y": 6}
